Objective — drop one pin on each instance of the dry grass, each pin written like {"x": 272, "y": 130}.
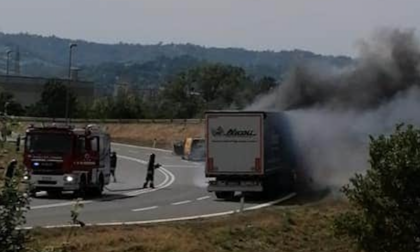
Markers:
{"x": 274, "y": 229}
{"x": 145, "y": 134}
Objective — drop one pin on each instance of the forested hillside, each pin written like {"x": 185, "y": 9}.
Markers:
{"x": 48, "y": 56}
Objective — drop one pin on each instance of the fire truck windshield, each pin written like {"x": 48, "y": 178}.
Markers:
{"x": 49, "y": 143}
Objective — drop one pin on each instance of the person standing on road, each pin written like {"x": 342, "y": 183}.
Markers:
{"x": 151, "y": 171}
{"x": 113, "y": 165}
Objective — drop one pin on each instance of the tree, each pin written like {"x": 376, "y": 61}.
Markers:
{"x": 53, "y": 101}
{"x": 102, "y": 108}
{"x": 180, "y": 98}
{"x": 211, "y": 86}
{"x": 221, "y": 85}
{"x": 9, "y": 105}
{"x": 126, "y": 105}
{"x": 266, "y": 84}
{"x": 385, "y": 213}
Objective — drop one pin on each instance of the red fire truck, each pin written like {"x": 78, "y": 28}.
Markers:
{"x": 67, "y": 159}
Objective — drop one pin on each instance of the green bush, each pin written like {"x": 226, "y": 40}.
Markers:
{"x": 14, "y": 204}
{"x": 385, "y": 202}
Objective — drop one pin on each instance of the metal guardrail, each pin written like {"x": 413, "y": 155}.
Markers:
{"x": 108, "y": 121}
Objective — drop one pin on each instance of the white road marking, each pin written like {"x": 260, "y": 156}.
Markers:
{"x": 181, "y": 166}
{"x": 142, "y": 148}
{"x": 59, "y": 205}
{"x": 203, "y": 198}
{"x": 195, "y": 217}
{"x": 169, "y": 180}
{"x": 144, "y": 209}
{"x": 181, "y": 202}
{"x": 134, "y": 152}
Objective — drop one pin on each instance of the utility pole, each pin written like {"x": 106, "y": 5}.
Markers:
{"x": 17, "y": 62}
{"x": 5, "y": 108}
{"x": 69, "y": 81}
{"x": 8, "y": 61}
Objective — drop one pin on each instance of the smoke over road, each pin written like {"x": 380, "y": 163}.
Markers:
{"x": 333, "y": 111}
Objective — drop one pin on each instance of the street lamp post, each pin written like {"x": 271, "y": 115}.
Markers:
{"x": 69, "y": 80}
{"x": 6, "y": 105}
{"x": 8, "y": 61}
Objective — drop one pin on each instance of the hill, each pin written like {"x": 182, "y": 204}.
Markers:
{"x": 48, "y": 56}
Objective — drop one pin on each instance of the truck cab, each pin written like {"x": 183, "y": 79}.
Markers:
{"x": 194, "y": 149}
{"x": 65, "y": 158}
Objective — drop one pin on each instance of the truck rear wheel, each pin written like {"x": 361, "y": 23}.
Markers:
{"x": 225, "y": 195}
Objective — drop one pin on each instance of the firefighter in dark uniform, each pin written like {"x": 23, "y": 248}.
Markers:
{"x": 113, "y": 164}
{"x": 151, "y": 171}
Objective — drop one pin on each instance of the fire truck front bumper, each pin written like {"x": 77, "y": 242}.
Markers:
{"x": 66, "y": 182}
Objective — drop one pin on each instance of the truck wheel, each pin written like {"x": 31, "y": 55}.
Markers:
{"x": 225, "y": 195}
{"x": 100, "y": 187}
{"x": 32, "y": 193}
{"x": 54, "y": 193}
{"x": 81, "y": 193}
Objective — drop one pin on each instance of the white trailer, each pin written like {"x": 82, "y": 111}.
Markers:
{"x": 247, "y": 152}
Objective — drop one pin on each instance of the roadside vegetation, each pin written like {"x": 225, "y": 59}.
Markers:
{"x": 384, "y": 213}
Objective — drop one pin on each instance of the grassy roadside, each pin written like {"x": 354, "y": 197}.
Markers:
{"x": 305, "y": 228}
{"x": 160, "y": 135}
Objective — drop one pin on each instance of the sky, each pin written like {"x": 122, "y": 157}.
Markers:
{"x": 330, "y": 27}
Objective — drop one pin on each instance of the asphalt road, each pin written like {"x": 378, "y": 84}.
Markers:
{"x": 180, "y": 193}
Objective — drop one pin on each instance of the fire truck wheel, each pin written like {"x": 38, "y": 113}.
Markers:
{"x": 100, "y": 188}
{"x": 54, "y": 193}
{"x": 81, "y": 193}
{"x": 32, "y": 193}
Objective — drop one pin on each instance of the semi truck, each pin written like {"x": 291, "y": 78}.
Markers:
{"x": 248, "y": 151}
{"x": 65, "y": 158}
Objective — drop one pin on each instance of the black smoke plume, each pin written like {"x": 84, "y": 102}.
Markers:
{"x": 333, "y": 111}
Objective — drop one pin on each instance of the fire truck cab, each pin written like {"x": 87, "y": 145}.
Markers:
{"x": 61, "y": 159}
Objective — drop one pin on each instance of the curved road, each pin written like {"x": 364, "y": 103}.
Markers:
{"x": 180, "y": 193}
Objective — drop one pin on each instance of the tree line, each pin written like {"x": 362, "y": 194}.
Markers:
{"x": 185, "y": 95}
